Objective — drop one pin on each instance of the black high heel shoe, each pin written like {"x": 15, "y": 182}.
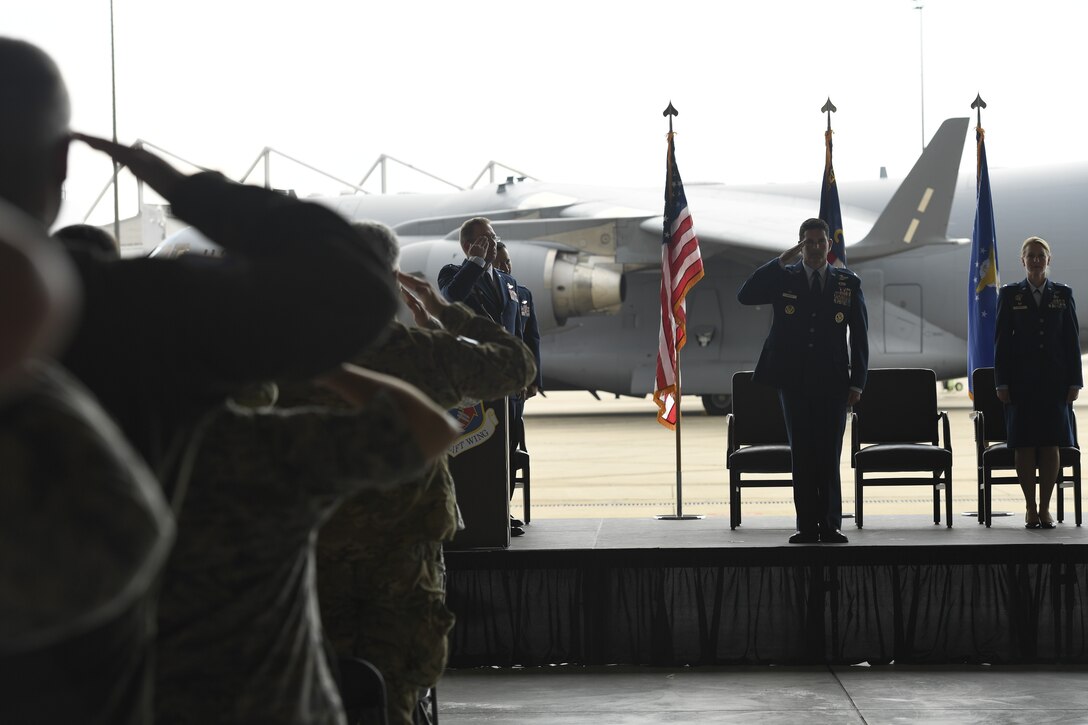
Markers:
{"x": 1031, "y": 520}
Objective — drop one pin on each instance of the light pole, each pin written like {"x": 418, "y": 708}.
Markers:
{"x": 921, "y": 72}
{"x": 116, "y": 166}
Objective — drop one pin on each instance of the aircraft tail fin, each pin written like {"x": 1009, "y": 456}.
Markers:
{"x": 918, "y": 211}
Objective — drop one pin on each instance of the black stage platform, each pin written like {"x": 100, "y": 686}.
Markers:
{"x": 671, "y": 593}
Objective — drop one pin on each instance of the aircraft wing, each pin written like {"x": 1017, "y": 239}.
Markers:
{"x": 752, "y": 227}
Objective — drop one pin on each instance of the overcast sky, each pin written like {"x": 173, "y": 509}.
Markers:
{"x": 563, "y": 90}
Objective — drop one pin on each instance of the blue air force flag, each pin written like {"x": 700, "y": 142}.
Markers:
{"x": 984, "y": 279}
{"x": 829, "y": 208}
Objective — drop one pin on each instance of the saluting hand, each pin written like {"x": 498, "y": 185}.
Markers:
{"x": 416, "y": 307}
{"x": 792, "y": 254}
{"x": 484, "y": 247}
{"x": 422, "y": 291}
{"x": 478, "y": 248}
{"x": 146, "y": 166}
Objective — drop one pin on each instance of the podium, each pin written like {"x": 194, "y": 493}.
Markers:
{"x": 479, "y": 461}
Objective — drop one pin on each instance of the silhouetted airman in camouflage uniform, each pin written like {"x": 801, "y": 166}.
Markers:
{"x": 239, "y": 628}
{"x": 84, "y": 533}
{"x": 381, "y": 579}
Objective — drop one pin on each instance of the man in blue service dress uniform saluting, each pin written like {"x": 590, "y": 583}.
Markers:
{"x": 817, "y": 369}
{"x": 477, "y": 283}
{"x": 489, "y": 292}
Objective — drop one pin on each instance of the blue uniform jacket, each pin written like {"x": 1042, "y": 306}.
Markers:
{"x": 1037, "y": 347}
{"x": 807, "y": 343}
{"x": 470, "y": 283}
{"x": 530, "y": 330}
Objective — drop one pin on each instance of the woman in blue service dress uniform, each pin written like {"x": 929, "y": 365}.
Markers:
{"x": 1038, "y": 373}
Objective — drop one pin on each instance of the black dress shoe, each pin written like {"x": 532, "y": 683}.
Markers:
{"x": 833, "y": 537}
{"x": 1046, "y": 521}
{"x": 805, "y": 537}
{"x": 517, "y": 531}
{"x": 516, "y": 522}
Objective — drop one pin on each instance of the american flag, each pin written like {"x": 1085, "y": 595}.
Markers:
{"x": 681, "y": 268}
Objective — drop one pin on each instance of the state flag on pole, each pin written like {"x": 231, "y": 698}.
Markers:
{"x": 984, "y": 279}
{"x": 681, "y": 268}
{"x": 829, "y": 208}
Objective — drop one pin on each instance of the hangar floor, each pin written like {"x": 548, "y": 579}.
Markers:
{"x": 887, "y": 695}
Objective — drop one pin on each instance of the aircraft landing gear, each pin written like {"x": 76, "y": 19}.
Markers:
{"x": 719, "y": 404}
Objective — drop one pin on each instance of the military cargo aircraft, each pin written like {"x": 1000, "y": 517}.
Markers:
{"x": 592, "y": 256}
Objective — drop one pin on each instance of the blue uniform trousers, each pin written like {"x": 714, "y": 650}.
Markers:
{"x": 815, "y": 421}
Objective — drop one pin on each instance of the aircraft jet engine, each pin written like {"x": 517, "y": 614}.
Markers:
{"x": 573, "y": 285}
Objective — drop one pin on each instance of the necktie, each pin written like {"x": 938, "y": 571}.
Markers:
{"x": 1038, "y": 297}
{"x": 816, "y": 289}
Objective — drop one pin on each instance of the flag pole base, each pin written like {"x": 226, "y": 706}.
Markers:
{"x": 681, "y": 517}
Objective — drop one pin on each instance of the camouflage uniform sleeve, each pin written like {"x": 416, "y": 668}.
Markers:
{"x": 341, "y": 451}
{"x": 84, "y": 528}
{"x": 473, "y": 358}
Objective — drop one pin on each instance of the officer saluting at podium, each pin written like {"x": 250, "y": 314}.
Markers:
{"x": 818, "y": 373}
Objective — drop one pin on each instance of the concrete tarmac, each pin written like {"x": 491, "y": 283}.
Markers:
{"x": 610, "y": 458}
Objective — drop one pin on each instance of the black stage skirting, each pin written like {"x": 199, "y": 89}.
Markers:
{"x": 695, "y": 593}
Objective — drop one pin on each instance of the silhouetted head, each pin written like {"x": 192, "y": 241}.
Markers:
{"x": 813, "y": 224}
{"x": 381, "y": 238}
{"x": 1035, "y": 256}
{"x": 34, "y": 114}
{"x": 814, "y": 233}
{"x": 502, "y": 259}
{"x": 88, "y": 236}
{"x": 39, "y": 290}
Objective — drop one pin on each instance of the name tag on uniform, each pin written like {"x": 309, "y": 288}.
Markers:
{"x": 789, "y": 295}
{"x": 1019, "y": 307}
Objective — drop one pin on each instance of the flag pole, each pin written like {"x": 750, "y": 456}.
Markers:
{"x": 679, "y": 466}
{"x": 830, "y": 211}
{"x": 679, "y": 515}
{"x": 978, "y": 104}
{"x": 829, "y": 108}
{"x": 984, "y": 278}
{"x": 116, "y": 165}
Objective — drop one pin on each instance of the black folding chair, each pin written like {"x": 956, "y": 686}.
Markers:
{"x": 756, "y": 441}
{"x": 362, "y": 690}
{"x": 897, "y": 415}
